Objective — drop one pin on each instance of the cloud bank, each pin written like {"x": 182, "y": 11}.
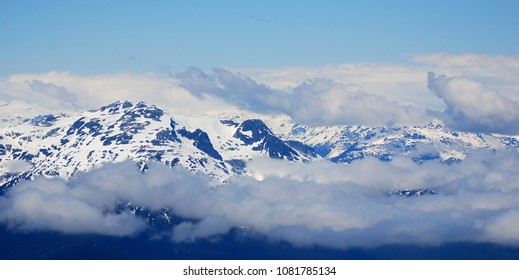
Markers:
{"x": 69, "y": 93}
{"x": 316, "y": 101}
{"x": 319, "y": 203}
{"x": 471, "y": 106}
{"x": 350, "y": 94}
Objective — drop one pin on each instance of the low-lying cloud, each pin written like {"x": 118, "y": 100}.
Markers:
{"x": 318, "y": 203}
{"x": 15, "y": 166}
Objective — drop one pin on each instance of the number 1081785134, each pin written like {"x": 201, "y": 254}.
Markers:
{"x": 305, "y": 270}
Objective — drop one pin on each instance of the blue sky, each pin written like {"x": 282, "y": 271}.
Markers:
{"x": 89, "y": 37}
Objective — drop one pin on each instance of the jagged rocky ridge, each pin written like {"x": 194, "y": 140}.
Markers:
{"x": 61, "y": 145}
{"x": 344, "y": 144}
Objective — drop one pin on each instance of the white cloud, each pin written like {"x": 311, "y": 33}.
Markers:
{"x": 46, "y": 204}
{"x": 402, "y": 83}
{"x": 66, "y": 92}
{"x": 317, "y": 203}
{"x": 314, "y": 102}
{"x": 360, "y": 93}
{"x": 207, "y": 227}
{"x": 504, "y": 227}
{"x": 15, "y": 166}
{"x": 406, "y": 83}
{"x": 496, "y": 71}
{"x": 45, "y": 96}
{"x": 471, "y": 106}
{"x": 321, "y": 101}
{"x": 235, "y": 89}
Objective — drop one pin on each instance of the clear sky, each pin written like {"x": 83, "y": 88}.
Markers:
{"x": 89, "y": 37}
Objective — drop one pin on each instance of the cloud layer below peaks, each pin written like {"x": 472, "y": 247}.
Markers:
{"x": 318, "y": 203}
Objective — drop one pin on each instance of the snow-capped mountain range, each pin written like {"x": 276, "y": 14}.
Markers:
{"x": 345, "y": 144}
{"x": 59, "y": 145}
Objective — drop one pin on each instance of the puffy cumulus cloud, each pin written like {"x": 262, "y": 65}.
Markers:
{"x": 236, "y": 89}
{"x": 496, "y": 71}
{"x": 402, "y": 83}
{"x": 45, "y": 204}
{"x": 316, "y": 102}
{"x": 406, "y": 82}
{"x": 307, "y": 204}
{"x": 323, "y": 101}
{"x": 377, "y": 92}
{"x": 373, "y": 94}
{"x": 474, "y": 199}
{"x": 472, "y": 106}
{"x": 88, "y": 203}
{"x": 356, "y": 93}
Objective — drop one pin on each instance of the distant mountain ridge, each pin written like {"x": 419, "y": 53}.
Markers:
{"x": 59, "y": 145}
{"x": 344, "y": 144}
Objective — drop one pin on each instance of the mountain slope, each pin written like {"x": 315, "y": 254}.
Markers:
{"x": 60, "y": 146}
{"x": 434, "y": 141}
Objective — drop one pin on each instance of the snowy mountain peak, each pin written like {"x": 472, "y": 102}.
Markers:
{"x": 344, "y": 144}
{"x": 255, "y": 133}
{"x": 44, "y": 120}
{"x": 60, "y": 145}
